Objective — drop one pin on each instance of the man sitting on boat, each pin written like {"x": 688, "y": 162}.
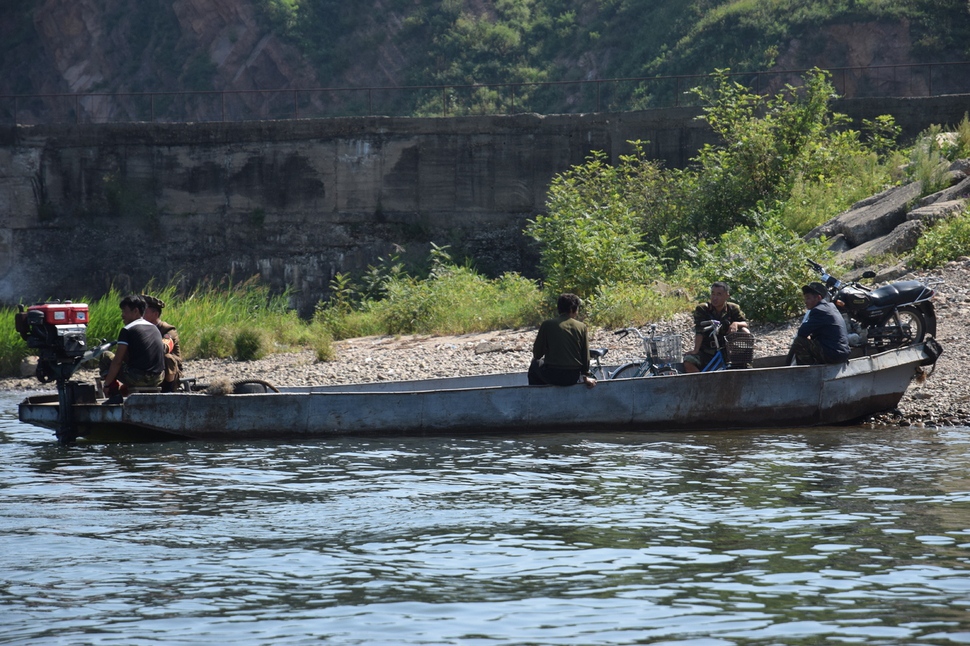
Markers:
{"x": 720, "y": 309}
{"x": 170, "y": 338}
{"x": 821, "y": 337}
{"x": 139, "y": 359}
{"x": 560, "y": 354}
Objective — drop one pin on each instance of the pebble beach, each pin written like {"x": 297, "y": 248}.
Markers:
{"x": 940, "y": 398}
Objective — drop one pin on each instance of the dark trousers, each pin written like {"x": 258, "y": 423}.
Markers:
{"x": 808, "y": 352}
{"x": 541, "y": 374}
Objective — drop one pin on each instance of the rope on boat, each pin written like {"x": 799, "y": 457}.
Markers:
{"x": 260, "y": 382}
{"x": 225, "y": 386}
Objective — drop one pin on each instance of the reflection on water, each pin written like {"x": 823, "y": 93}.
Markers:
{"x": 794, "y": 537}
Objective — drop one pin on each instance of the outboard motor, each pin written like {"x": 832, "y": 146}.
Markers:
{"x": 58, "y": 332}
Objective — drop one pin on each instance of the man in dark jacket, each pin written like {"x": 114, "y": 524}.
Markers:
{"x": 821, "y": 337}
{"x": 560, "y": 354}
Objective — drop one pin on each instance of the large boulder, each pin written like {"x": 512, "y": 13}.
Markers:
{"x": 936, "y": 211}
{"x": 871, "y": 218}
{"x": 960, "y": 190}
{"x": 901, "y": 239}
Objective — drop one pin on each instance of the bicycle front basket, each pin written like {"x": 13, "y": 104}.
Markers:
{"x": 740, "y": 348}
{"x": 668, "y": 349}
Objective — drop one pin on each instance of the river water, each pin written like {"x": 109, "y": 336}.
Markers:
{"x": 814, "y": 536}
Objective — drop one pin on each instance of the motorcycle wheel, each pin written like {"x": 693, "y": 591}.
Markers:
{"x": 912, "y": 318}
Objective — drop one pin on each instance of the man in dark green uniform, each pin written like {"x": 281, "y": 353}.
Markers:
{"x": 560, "y": 354}
{"x": 718, "y": 309}
{"x": 170, "y": 337}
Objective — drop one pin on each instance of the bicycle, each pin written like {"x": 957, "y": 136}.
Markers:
{"x": 738, "y": 353}
{"x": 663, "y": 353}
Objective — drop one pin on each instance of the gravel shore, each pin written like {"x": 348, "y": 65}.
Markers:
{"x": 943, "y": 399}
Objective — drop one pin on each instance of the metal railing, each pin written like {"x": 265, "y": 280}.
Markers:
{"x": 551, "y": 97}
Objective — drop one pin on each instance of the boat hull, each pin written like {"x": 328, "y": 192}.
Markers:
{"x": 751, "y": 398}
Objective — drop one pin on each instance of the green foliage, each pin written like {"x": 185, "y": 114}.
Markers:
{"x": 768, "y": 144}
{"x": 784, "y": 167}
{"x": 452, "y": 299}
{"x": 591, "y": 234}
{"x": 631, "y": 304}
{"x": 250, "y": 344}
{"x": 214, "y": 343}
{"x": 12, "y": 347}
{"x": 928, "y": 160}
{"x": 945, "y": 241}
{"x": 962, "y": 143}
{"x": 815, "y": 200}
{"x": 764, "y": 266}
{"x": 882, "y": 133}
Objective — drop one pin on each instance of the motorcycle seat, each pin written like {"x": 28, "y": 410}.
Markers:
{"x": 899, "y": 293}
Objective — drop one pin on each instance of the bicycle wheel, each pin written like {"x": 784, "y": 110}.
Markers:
{"x": 629, "y": 371}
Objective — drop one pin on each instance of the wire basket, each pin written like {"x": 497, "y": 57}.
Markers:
{"x": 740, "y": 348}
{"x": 668, "y": 349}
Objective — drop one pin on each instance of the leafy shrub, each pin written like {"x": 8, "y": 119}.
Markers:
{"x": 591, "y": 233}
{"x": 947, "y": 240}
{"x": 962, "y": 143}
{"x": 768, "y": 144}
{"x": 765, "y": 268}
{"x": 215, "y": 343}
{"x": 250, "y": 344}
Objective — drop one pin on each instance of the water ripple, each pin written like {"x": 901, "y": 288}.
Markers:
{"x": 822, "y": 535}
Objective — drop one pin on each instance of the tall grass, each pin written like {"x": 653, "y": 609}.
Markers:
{"x": 451, "y": 300}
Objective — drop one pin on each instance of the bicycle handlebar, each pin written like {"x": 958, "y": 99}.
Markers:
{"x": 711, "y": 327}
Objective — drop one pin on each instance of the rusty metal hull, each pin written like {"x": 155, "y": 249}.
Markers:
{"x": 752, "y": 398}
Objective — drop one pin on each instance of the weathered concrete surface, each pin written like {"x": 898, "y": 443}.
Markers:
{"x": 85, "y": 207}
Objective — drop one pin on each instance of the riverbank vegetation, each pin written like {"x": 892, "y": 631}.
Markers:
{"x": 636, "y": 241}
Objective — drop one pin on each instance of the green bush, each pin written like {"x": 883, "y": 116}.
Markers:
{"x": 928, "y": 161}
{"x": 591, "y": 234}
{"x": 214, "y": 343}
{"x": 452, "y": 299}
{"x": 632, "y": 304}
{"x": 250, "y": 344}
{"x": 947, "y": 240}
{"x": 768, "y": 144}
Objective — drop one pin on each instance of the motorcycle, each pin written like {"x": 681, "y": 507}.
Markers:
{"x": 886, "y": 317}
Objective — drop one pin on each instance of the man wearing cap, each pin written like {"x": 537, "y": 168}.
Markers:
{"x": 821, "y": 337}
{"x": 170, "y": 337}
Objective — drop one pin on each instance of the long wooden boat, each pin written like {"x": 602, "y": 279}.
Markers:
{"x": 767, "y": 395}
